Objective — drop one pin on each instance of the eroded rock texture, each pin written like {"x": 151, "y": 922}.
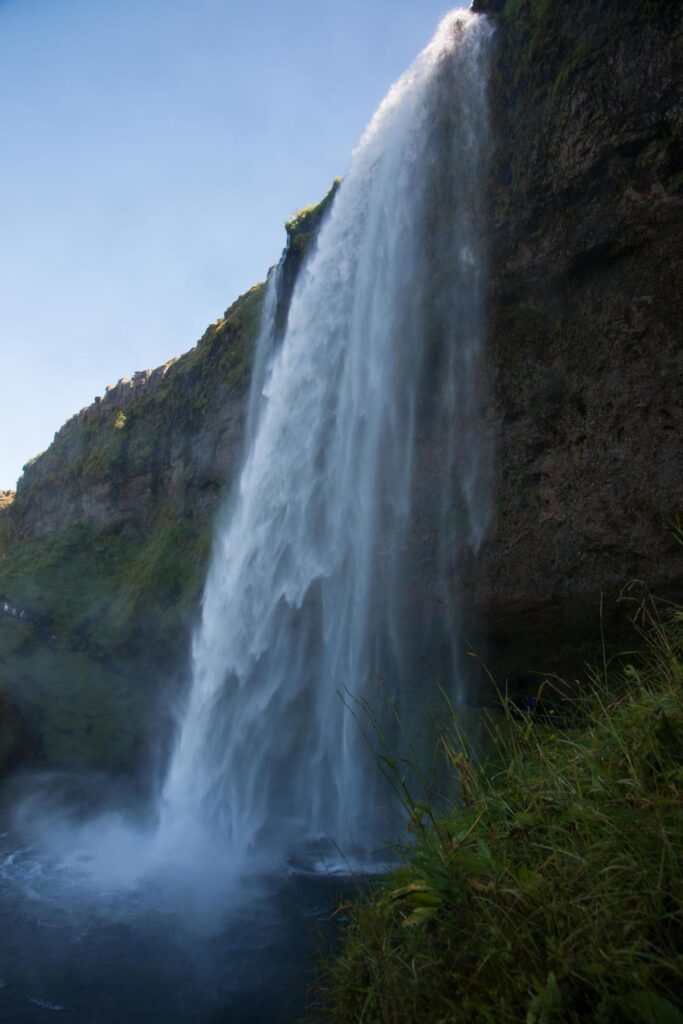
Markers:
{"x": 586, "y": 302}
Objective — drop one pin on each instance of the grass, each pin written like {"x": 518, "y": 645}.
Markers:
{"x": 307, "y": 218}
{"x": 551, "y": 889}
{"x": 302, "y": 227}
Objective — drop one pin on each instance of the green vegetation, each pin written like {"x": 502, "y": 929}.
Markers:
{"x": 107, "y": 614}
{"x": 106, "y": 559}
{"x": 552, "y": 888}
{"x": 109, "y": 443}
{"x": 88, "y": 588}
{"x": 303, "y": 226}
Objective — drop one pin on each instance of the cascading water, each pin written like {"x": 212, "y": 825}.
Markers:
{"x": 306, "y": 611}
{"x": 333, "y": 573}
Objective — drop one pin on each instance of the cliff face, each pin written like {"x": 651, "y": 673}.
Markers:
{"x": 104, "y": 547}
{"x": 163, "y": 441}
{"x": 586, "y": 300}
{"x": 105, "y": 544}
{"x": 166, "y": 437}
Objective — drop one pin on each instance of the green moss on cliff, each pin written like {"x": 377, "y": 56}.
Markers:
{"x": 106, "y": 581}
{"x": 101, "y": 616}
{"x": 303, "y": 226}
{"x": 104, "y": 552}
{"x": 138, "y": 425}
{"x": 302, "y": 230}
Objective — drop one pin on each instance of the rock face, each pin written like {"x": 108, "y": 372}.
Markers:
{"x": 168, "y": 437}
{"x": 583, "y": 405}
{"x": 586, "y": 302}
{"x": 171, "y": 435}
{"x": 104, "y": 546}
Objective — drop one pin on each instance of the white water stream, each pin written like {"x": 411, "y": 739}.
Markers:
{"x": 303, "y": 615}
{"x": 364, "y": 485}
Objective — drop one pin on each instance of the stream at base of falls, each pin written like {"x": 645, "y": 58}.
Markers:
{"x": 101, "y": 924}
{"x": 85, "y": 946}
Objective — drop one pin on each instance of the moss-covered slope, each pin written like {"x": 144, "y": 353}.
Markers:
{"x": 103, "y": 550}
{"x": 159, "y": 442}
{"x": 104, "y": 547}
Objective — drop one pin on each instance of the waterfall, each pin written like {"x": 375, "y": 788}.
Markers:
{"x": 307, "y": 615}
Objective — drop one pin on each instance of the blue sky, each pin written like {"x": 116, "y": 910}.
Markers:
{"x": 150, "y": 151}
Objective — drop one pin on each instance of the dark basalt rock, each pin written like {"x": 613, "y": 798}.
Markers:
{"x": 586, "y": 296}
{"x": 17, "y": 743}
{"x": 488, "y": 6}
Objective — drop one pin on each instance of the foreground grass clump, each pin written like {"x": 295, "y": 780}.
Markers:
{"x": 552, "y": 891}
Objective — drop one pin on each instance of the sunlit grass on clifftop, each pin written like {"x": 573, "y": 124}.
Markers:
{"x": 551, "y": 891}
{"x": 302, "y": 217}
{"x": 302, "y": 227}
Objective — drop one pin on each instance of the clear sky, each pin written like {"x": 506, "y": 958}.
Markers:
{"x": 150, "y": 151}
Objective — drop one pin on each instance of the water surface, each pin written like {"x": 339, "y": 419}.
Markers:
{"x": 89, "y": 938}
